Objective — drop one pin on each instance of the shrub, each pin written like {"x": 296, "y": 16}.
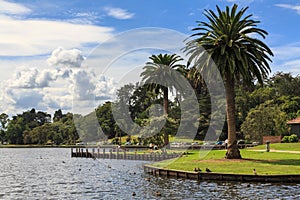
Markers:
{"x": 115, "y": 141}
{"x": 285, "y": 139}
{"x": 293, "y": 138}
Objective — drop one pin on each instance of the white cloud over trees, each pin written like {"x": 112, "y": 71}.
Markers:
{"x": 57, "y": 86}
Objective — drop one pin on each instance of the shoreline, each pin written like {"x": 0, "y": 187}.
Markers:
{"x": 38, "y": 146}
{"x": 202, "y": 176}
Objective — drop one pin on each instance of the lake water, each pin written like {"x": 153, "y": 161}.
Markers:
{"x": 53, "y": 174}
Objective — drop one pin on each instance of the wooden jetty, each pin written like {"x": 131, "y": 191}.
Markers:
{"x": 120, "y": 154}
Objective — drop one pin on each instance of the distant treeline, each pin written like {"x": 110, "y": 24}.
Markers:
{"x": 33, "y": 127}
{"x": 260, "y": 110}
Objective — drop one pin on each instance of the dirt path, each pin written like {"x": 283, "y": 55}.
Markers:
{"x": 280, "y": 151}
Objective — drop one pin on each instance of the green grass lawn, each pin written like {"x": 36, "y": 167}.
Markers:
{"x": 176, "y": 139}
{"x": 281, "y": 146}
{"x": 263, "y": 162}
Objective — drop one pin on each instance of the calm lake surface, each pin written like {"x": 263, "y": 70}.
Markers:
{"x": 53, "y": 174}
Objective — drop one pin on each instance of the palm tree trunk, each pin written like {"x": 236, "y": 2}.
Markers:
{"x": 166, "y": 101}
{"x": 232, "y": 149}
{"x": 166, "y": 108}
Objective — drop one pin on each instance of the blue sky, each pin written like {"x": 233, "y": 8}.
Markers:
{"x": 44, "y": 42}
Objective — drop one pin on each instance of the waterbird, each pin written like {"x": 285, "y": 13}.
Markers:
{"x": 147, "y": 179}
{"x": 207, "y": 170}
{"x": 254, "y": 172}
{"x": 197, "y": 169}
{"x": 133, "y": 194}
{"x": 158, "y": 194}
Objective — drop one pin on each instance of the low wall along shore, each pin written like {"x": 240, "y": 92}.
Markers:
{"x": 221, "y": 177}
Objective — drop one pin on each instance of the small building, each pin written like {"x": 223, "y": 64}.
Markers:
{"x": 295, "y": 126}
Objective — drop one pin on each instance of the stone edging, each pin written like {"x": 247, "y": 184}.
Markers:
{"x": 292, "y": 178}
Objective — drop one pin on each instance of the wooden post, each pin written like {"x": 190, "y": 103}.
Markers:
{"x": 124, "y": 155}
{"x": 81, "y": 155}
{"x": 93, "y": 150}
{"x": 98, "y": 152}
{"x": 110, "y": 154}
{"x": 134, "y": 155}
{"x": 86, "y": 153}
{"x": 103, "y": 153}
{"x": 117, "y": 153}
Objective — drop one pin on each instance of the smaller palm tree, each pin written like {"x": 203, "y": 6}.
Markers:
{"x": 159, "y": 75}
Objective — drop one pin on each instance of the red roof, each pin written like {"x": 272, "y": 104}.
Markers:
{"x": 294, "y": 121}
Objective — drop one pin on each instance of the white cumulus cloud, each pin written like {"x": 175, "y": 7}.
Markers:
{"x": 32, "y": 78}
{"x": 13, "y": 8}
{"x": 84, "y": 85}
{"x": 57, "y": 86}
{"x": 66, "y": 58}
{"x": 118, "y": 13}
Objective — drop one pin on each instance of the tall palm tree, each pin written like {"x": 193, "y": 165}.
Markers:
{"x": 230, "y": 39}
{"x": 161, "y": 69}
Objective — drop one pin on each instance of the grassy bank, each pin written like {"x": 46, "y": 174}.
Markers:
{"x": 280, "y": 147}
{"x": 263, "y": 162}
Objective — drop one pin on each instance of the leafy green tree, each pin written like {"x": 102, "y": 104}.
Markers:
{"x": 288, "y": 104}
{"x": 40, "y": 134}
{"x": 285, "y": 84}
{"x": 141, "y": 99}
{"x": 246, "y": 100}
{"x": 160, "y": 70}
{"x": 3, "y": 123}
{"x": 226, "y": 38}
{"x": 68, "y": 130}
{"x": 263, "y": 120}
{"x": 261, "y": 95}
{"x": 61, "y": 131}
{"x": 106, "y": 119}
{"x": 15, "y": 129}
{"x": 57, "y": 115}
{"x": 26, "y": 121}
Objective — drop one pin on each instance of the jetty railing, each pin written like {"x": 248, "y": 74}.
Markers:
{"x": 121, "y": 154}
